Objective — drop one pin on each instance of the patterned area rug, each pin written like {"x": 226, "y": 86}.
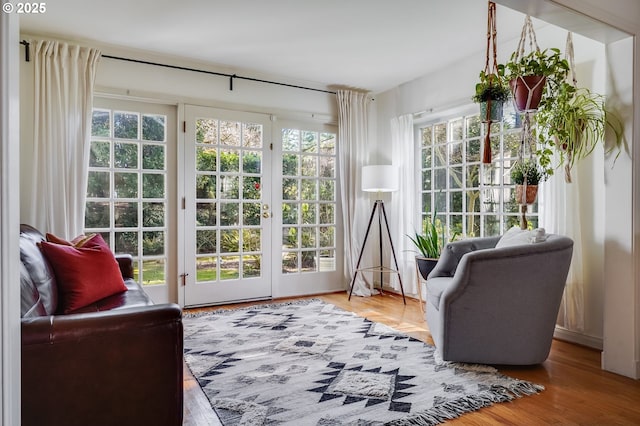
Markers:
{"x": 312, "y": 363}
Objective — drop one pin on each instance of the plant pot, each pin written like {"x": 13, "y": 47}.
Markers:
{"x": 425, "y": 265}
{"x": 527, "y": 91}
{"x": 493, "y": 114}
{"x": 530, "y": 197}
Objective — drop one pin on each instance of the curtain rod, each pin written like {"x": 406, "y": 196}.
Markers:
{"x": 231, "y": 77}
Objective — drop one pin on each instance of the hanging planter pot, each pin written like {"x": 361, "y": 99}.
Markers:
{"x": 491, "y": 111}
{"x": 527, "y": 91}
{"x": 528, "y": 195}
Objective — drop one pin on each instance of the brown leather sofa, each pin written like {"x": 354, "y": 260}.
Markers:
{"x": 115, "y": 362}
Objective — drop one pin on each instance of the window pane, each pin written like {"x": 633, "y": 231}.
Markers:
{"x": 252, "y": 135}
{"x": 251, "y": 266}
{"x": 153, "y": 157}
{"x": 125, "y": 155}
{"x": 290, "y": 140}
{"x": 229, "y": 214}
{"x": 98, "y": 184}
{"x": 251, "y": 214}
{"x": 229, "y": 241}
{"x": 328, "y": 143}
{"x": 206, "y": 269}
{"x": 153, "y": 215}
{"x": 206, "y": 159}
{"x": 229, "y": 188}
{"x": 251, "y": 162}
{"x": 309, "y": 142}
{"x": 101, "y": 123}
{"x": 308, "y": 213}
{"x": 153, "y": 272}
{"x": 207, "y": 131}
{"x": 206, "y": 214}
{"x": 290, "y": 237}
{"x": 206, "y": 186}
{"x": 230, "y": 133}
{"x": 251, "y": 188}
{"x": 100, "y": 155}
{"x": 153, "y": 243}
{"x": 251, "y": 240}
{"x": 205, "y": 241}
{"x": 229, "y": 161}
{"x": 152, "y": 185}
{"x": 97, "y": 215}
{"x": 125, "y": 125}
{"x": 126, "y": 215}
{"x": 153, "y": 128}
{"x": 125, "y": 185}
{"x": 126, "y": 243}
{"x": 289, "y": 165}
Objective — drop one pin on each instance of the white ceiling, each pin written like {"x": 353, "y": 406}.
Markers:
{"x": 369, "y": 44}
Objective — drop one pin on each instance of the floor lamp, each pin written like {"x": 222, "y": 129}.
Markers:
{"x": 379, "y": 179}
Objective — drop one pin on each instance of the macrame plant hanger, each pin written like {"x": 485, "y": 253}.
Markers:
{"x": 574, "y": 81}
{"x": 527, "y": 141}
{"x": 490, "y": 70}
{"x": 528, "y": 33}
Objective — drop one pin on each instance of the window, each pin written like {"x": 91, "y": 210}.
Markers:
{"x": 126, "y": 188}
{"x": 468, "y": 197}
{"x": 309, "y": 185}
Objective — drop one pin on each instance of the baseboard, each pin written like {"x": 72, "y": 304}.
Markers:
{"x": 562, "y": 333}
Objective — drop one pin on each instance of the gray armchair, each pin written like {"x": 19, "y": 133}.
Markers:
{"x": 491, "y": 305}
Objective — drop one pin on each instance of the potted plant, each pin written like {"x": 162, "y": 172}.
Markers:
{"x": 526, "y": 174}
{"x": 429, "y": 245}
{"x": 491, "y": 93}
{"x": 572, "y": 123}
{"x": 535, "y": 76}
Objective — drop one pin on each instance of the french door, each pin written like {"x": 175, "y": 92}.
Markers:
{"x": 227, "y": 206}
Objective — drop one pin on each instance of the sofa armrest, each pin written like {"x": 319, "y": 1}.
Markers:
{"x": 452, "y": 254}
{"x": 125, "y": 261}
{"x": 115, "y": 367}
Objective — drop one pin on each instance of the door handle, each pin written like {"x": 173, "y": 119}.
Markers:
{"x": 267, "y": 215}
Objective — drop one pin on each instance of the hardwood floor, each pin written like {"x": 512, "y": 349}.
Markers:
{"x": 577, "y": 391}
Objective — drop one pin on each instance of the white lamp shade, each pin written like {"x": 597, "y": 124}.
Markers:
{"x": 380, "y": 178}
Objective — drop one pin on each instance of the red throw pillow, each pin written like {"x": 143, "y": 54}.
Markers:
{"x": 90, "y": 240}
{"x": 84, "y": 275}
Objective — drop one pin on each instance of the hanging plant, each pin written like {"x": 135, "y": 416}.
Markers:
{"x": 491, "y": 93}
{"x": 536, "y": 75}
{"x": 572, "y": 123}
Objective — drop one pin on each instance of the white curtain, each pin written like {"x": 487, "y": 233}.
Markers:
{"x": 560, "y": 213}
{"x": 64, "y": 79}
{"x": 404, "y": 219}
{"x": 353, "y": 113}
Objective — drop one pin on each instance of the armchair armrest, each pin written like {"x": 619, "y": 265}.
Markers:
{"x": 130, "y": 360}
{"x": 453, "y": 252}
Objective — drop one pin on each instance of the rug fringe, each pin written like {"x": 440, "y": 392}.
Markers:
{"x": 246, "y": 308}
{"x": 453, "y": 409}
